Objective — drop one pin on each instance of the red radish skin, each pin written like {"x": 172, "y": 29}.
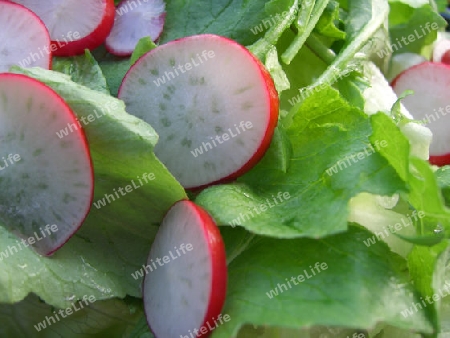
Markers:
{"x": 219, "y": 276}
{"x": 441, "y": 51}
{"x": 440, "y": 160}
{"x": 446, "y": 58}
{"x": 273, "y": 103}
{"x": 135, "y": 20}
{"x": 21, "y": 46}
{"x": 430, "y": 82}
{"x": 58, "y": 174}
{"x": 186, "y": 222}
{"x": 70, "y": 35}
{"x": 248, "y": 94}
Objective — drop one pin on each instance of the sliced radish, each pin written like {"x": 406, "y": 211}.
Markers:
{"x": 74, "y": 25}
{"x": 430, "y": 103}
{"x": 135, "y": 20}
{"x": 45, "y": 180}
{"x": 185, "y": 286}
{"x": 441, "y": 51}
{"x": 24, "y": 38}
{"x": 446, "y": 57}
{"x": 401, "y": 62}
{"x": 211, "y": 101}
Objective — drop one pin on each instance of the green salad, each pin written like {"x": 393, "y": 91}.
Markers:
{"x": 341, "y": 230}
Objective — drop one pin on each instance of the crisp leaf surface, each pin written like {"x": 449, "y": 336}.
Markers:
{"x": 344, "y": 294}
{"x": 332, "y": 161}
{"x": 116, "y": 236}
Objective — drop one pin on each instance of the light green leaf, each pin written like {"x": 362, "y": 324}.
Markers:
{"x": 143, "y": 46}
{"x": 327, "y": 24}
{"x": 332, "y": 161}
{"x": 115, "y": 238}
{"x": 443, "y": 179}
{"x": 413, "y": 25}
{"x": 344, "y": 294}
{"x": 82, "y": 69}
{"x": 113, "y": 318}
{"x": 234, "y": 19}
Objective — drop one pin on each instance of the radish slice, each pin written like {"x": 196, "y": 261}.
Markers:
{"x": 185, "y": 286}
{"x": 135, "y": 20}
{"x": 212, "y": 103}
{"x": 441, "y": 51}
{"x": 430, "y": 103}
{"x": 46, "y": 181}
{"x": 446, "y": 57}
{"x": 24, "y": 38}
{"x": 74, "y": 25}
{"x": 401, "y": 62}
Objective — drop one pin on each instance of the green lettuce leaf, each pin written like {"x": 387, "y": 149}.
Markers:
{"x": 344, "y": 294}
{"x": 329, "y": 22}
{"x": 443, "y": 179}
{"x": 239, "y": 20}
{"x": 110, "y": 318}
{"x": 322, "y": 176}
{"x": 143, "y": 46}
{"x": 82, "y": 69}
{"x": 116, "y": 236}
{"x": 413, "y": 25}
{"x": 427, "y": 268}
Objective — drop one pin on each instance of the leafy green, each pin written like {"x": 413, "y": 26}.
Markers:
{"x": 98, "y": 260}
{"x": 264, "y": 45}
{"x": 114, "y": 72}
{"x": 301, "y": 72}
{"x": 143, "y": 46}
{"x": 441, "y": 5}
{"x": 111, "y": 318}
{"x": 314, "y": 10}
{"x": 413, "y": 25}
{"x": 443, "y": 179}
{"x": 84, "y": 70}
{"x": 234, "y": 19}
{"x": 329, "y": 21}
{"x": 364, "y": 21}
{"x": 332, "y": 161}
{"x": 427, "y": 269}
{"x": 344, "y": 294}
{"x": 121, "y": 149}
{"x": 424, "y": 194}
{"x": 323, "y": 57}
